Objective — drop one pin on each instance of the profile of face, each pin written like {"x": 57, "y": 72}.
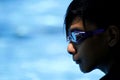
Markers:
{"x": 90, "y": 52}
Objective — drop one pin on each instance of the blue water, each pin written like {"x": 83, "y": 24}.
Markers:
{"x": 33, "y": 44}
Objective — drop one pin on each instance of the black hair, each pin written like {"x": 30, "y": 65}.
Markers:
{"x": 101, "y": 12}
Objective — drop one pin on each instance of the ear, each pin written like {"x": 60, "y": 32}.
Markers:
{"x": 113, "y": 35}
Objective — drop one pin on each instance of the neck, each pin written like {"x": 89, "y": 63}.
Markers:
{"x": 106, "y": 67}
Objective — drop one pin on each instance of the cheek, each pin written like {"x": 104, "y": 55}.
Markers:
{"x": 87, "y": 58}
{"x": 94, "y": 51}
{"x": 91, "y": 53}
{"x": 94, "y": 48}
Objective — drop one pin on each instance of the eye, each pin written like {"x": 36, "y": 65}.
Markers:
{"x": 75, "y": 36}
{"x": 79, "y": 36}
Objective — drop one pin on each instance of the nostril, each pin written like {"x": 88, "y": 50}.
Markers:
{"x": 71, "y": 53}
{"x": 71, "y": 48}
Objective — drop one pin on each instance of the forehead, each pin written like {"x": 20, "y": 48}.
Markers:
{"x": 78, "y": 23}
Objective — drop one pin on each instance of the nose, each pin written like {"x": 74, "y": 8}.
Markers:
{"x": 71, "y": 49}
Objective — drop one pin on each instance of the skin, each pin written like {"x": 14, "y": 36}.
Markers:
{"x": 92, "y": 53}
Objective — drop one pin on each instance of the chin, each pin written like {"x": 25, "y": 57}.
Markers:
{"x": 86, "y": 69}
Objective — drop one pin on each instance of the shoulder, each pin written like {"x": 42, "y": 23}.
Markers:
{"x": 113, "y": 74}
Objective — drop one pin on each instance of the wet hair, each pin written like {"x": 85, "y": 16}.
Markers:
{"x": 100, "y": 12}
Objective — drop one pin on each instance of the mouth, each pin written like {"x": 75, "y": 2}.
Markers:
{"x": 78, "y": 61}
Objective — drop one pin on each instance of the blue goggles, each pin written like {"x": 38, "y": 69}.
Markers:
{"x": 78, "y": 36}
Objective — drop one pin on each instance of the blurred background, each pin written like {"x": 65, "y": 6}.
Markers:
{"x": 33, "y": 44}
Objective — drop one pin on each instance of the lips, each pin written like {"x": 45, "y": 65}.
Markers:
{"x": 76, "y": 59}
